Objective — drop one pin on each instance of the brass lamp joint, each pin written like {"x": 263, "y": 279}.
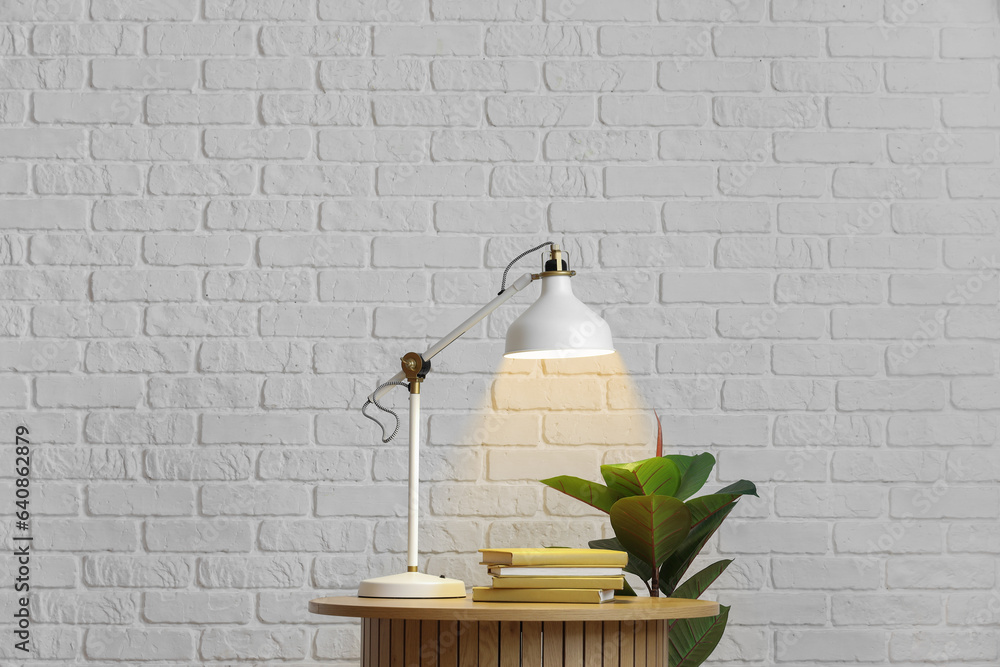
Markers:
{"x": 415, "y": 368}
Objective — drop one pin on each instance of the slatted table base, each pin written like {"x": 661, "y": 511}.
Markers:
{"x": 399, "y": 643}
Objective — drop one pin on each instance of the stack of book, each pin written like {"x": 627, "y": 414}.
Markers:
{"x": 552, "y": 575}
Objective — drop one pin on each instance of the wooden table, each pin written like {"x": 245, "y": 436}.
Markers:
{"x": 629, "y": 632}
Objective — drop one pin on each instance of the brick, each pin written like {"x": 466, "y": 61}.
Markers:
{"x": 837, "y": 573}
{"x": 137, "y": 215}
{"x": 887, "y": 323}
{"x": 147, "y": 73}
{"x": 73, "y": 321}
{"x": 887, "y": 466}
{"x": 144, "y": 10}
{"x": 655, "y": 251}
{"x": 711, "y": 145}
{"x": 261, "y": 429}
{"x": 531, "y": 110}
{"x": 222, "y": 356}
{"x": 199, "y": 535}
{"x": 128, "y": 428}
{"x": 200, "y": 179}
{"x": 874, "y": 42}
{"x": 201, "y": 109}
{"x": 776, "y": 395}
{"x": 773, "y": 181}
{"x": 972, "y": 322}
{"x": 933, "y": 573}
{"x": 716, "y": 217}
{"x": 143, "y": 144}
{"x": 254, "y": 500}
{"x": 618, "y": 40}
{"x": 431, "y": 181}
{"x": 109, "y": 392}
{"x": 42, "y": 143}
{"x": 652, "y": 110}
{"x": 822, "y": 11}
{"x": 170, "y": 250}
{"x": 139, "y": 357}
{"x": 735, "y": 358}
{"x": 241, "y": 644}
{"x": 312, "y": 250}
{"x": 835, "y": 147}
{"x": 938, "y": 78}
{"x": 760, "y": 252}
{"x": 959, "y": 11}
{"x": 142, "y": 285}
{"x": 966, "y": 42}
{"x": 208, "y": 392}
{"x": 956, "y": 429}
{"x": 248, "y": 144}
{"x": 828, "y": 289}
{"x": 950, "y": 148}
{"x": 725, "y": 76}
{"x": 744, "y": 288}
{"x": 186, "y": 607}
{"x": 658, "y": 181}
{"x": 711, "y": 10}
{"x": 137, "y": 571}
{"x": 883, "y": 253}
{"x": 516, "y": 181}
{"x": 575, "y": 76}
{"x": 204, "y": 464}
{"x": 319, "y": 40}
{"x": 845, "y": 645}
{"x": 205, "y": 39}
{"x": 539, "y": 40}
{"x": 880, "y": 112}
{"x": 373, "y": 74}
{"x": 259, "y": 215}
{"x": 756, "y": 41}
{"x": 831, "y": 219}
{"x": 373, "y": 145}
{"x": 937, "y": 288}
{"x": 587, "y": 146}
{"x": 86, "y": 39}
{"x": 822, "y": 359}
{"x": 901, "y": 395}
{"x": 753, "y": 322}
{"x": 140, "y": 500}
{"x": 428, "y": 40}
{"x": 767, "y": 112}
{"x": 485, "y": 10}
{"x": 84, "y": 108}
{"x": 258, "y": 285}
{"x": 197, "y": 320}
{"x": 298, "y": 10}
{"x": 505, "y": 75}
{"x": 310, "y": 180}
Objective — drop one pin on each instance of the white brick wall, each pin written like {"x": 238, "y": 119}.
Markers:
{"x": 222, "y": 221}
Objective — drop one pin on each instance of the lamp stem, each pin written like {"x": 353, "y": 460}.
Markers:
{"x": 414, "y": 482}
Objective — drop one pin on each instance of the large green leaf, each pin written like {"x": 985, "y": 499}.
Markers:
{"x": 594, "y": 494}
{"x": 698, "y": 583}
{"x": 635, "y": 565}
{"x": 651, "y": 527}
{"x": 740, "y": 488}
{"x": 692, "y": 640}
{"x": 707, "y": 514}
{"x": 694, "y": 472}
{"x": 657, "y": 476}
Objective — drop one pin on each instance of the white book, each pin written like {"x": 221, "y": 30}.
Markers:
{"x": 516, "y": 571}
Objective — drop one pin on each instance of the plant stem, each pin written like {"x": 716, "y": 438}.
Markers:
{"x": 654, "y": 590}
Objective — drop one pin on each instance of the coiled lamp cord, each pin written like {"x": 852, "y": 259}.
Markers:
{"x": 374, "y": 401}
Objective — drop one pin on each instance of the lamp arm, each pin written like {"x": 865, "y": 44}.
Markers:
{"x": 457, "y": 332}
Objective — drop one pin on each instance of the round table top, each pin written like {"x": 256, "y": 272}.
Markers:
{"x": 464, "y": 609}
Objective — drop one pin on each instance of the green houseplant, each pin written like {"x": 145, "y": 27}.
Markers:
{"x": 663, "y": 529}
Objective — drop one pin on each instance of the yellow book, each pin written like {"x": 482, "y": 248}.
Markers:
{"x": 564, "y": 557}
{"x": 570, "y": 595}
{"x": 604, "y": 583}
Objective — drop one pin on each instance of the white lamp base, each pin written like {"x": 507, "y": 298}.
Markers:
{"x": 411, "y": 585}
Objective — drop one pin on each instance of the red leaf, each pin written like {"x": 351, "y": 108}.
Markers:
{"x": 659, "y": 436}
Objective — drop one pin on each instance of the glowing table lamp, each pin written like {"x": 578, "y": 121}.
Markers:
{"x": 556, "y": 326}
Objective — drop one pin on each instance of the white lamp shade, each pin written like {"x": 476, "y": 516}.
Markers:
{"x": 558, "y": 326}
